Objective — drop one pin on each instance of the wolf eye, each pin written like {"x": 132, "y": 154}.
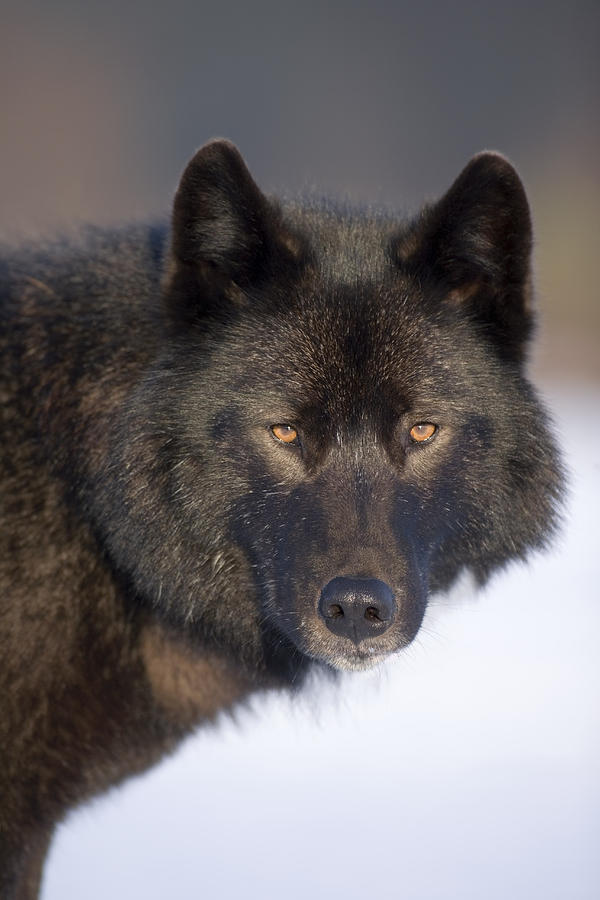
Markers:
{"x": 287, "y": 434}
{"x": 422, "y": 431}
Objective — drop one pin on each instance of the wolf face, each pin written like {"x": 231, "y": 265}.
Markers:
{"x": 338, "y": 423}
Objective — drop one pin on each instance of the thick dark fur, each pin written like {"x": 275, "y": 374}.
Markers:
{"x": 163, "y": 555}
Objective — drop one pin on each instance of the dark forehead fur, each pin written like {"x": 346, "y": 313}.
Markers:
{"x": 352, "y": 323}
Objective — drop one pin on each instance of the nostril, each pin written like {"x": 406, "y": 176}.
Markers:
{"x": 335, "y": 611}
{"x": 373, "y": 614}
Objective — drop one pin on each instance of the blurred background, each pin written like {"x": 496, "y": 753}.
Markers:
{"x": 469, "y": 768}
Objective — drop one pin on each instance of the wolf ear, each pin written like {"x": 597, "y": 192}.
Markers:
{"x": 475, "y": 244}
{"x": 224, "y": 230}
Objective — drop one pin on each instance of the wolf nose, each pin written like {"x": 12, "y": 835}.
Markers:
{"x": 357, "y": 608}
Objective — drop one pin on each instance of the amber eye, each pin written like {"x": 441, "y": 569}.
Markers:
{"x": 287, "y": 434}
{"x": 422, "y": 431}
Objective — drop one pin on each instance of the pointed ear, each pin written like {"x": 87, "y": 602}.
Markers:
{"x": 225, "y": 233}
{"x": 475, "y": 245}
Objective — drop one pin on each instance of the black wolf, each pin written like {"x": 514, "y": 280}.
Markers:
{"x": 248, "y": 444}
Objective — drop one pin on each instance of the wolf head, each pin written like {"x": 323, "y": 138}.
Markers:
{"x": 338, "y": 422}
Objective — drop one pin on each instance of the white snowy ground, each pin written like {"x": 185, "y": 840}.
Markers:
{"x": 467, "y": 768}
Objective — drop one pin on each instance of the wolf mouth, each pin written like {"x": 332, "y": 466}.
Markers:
{"x": 358, "y": 661}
